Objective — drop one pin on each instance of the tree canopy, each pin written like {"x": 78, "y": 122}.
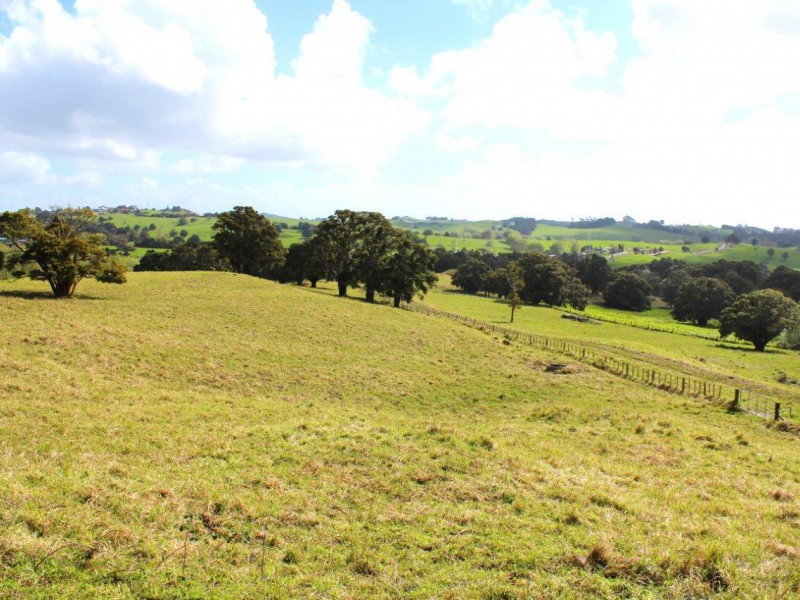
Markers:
{"x": 759, "y": 317}
{"x": 628, "y": 291}
{"x": 61, "y": 252}
{"x": 190, "y": 256}
{"x": 407, "y": 269}
{"x": 701, "y": 299}
{"x": 249, "y": 241}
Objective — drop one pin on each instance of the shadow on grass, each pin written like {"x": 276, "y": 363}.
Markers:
{"x": 730, "y": 346}
{"x": 332, "y": 293}
{"x": 36, "y": 295}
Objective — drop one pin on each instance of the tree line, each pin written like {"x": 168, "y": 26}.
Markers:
{"x": 349, "y": 247}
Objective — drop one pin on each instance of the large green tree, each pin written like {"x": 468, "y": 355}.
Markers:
{"x": 340, "y": 236}
{"x": 785, "y": 280}
{"x": 375, "y": 242}
{"x": 249, "y": 241}
{"x": 407, "y": 269}
{"x": 759, "y": 317}
{"x": 550, "y": 281}
{"x": 701, "y": 299}
{"x": 627, "y": 291}
{"x": 472, "y": 276}
{"x": 594, "y": 271}
{"x": 305, "y": 260}
{"x": 62, "y": 252}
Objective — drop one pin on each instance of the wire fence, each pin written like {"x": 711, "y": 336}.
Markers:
{"x": 668, "y": 381}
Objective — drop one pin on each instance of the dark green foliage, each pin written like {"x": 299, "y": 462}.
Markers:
{"x": 305, "y": 260}
{"x": 759, "y": 317}
{"x": 248, "y": 241}
{"x": 472, "y": 276}
{"x": 61, "y": 252}
{"x": 377, "y": 237}
{"x": 594, "y": 271}
{"x": 671, "y": 285}
{"x": 340, "y": 236}
{"x": 628, "y": 291}
{"x": 550, "y": 281}
{"x": 785, "y": 280}
{"x": 701, "y": 299}
{"x": 524, "y": 225}
{"x": 407, "y": 269}
{"x": 497, "y": 283}
{"x": 191, "y": 256}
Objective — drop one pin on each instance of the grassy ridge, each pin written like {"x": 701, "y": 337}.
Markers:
{"x": 194, "y": 435}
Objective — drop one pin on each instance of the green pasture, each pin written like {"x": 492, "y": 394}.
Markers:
{"x": 456, "y": 243}
{"x": 199, "y": 435}
{"x": 201, "y": 226}
{"x": 614, "y": 234}
{"x": 647, "y": 338}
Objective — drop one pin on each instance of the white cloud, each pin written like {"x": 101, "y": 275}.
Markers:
{"x": 126, "y": 78}
{"x": 531, "y": 72}
{"x": 23, "y": 167}
{"x": 207, "y": 163}
{"x": 87, "y": 179}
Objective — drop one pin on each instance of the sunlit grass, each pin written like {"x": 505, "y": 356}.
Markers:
{"x": 213, "y": 435}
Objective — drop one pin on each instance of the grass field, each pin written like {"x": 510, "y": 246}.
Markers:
{"x": 652, "y": 341}
{"x": 212, "y": 435}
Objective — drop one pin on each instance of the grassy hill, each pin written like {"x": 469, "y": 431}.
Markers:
{"x": 214, "y": 435}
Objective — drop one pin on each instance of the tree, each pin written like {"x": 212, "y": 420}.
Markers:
{"x": 377, "y": 237}
{"x": 340, "y": 236}
{"x": 515, "y": 276}
{"x": 191, "y": 256}
{"x": 248, "y": 240}
{"x": 673, "y": 283}
{"x": 305, "y": 260}
{"x": 407, "y": 270}
{"x": 62, "y": 253}
{"x": 785, "y": 280}
{"x": 628, "y": 291}
{"x": 594, "y": 271}
{"x": 547, "y": 280}
{"x": 472, "y": 276}
{"x": 759, "y": 317}
{"x": 701, "y": 299}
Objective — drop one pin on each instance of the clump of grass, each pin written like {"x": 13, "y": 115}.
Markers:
{"x": 362, "y": 564}
{"x": 781, "y": 496}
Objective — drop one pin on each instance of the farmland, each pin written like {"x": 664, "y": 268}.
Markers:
{"x": 488, "y": 236}
{"x": 208, "y": 434}
{"x": 651, "y": 339}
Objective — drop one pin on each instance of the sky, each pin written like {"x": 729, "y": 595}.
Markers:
{"x": 678, "y": 110}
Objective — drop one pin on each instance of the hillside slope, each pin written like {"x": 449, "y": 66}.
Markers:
{"x": 196, "y": 435}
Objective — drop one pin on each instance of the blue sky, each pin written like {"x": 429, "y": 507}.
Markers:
{"x": 658, "y": 109}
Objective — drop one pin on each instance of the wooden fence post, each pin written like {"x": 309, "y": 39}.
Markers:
{"x": 778, "y": 412}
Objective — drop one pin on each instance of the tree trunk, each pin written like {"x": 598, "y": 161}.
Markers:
{"x": 513, "y": 307}
{"x": 342, "y": 288}
{"x": 397, "y": 301}
{"x": 313, "y": 283}
{"x": 62, "y": 289}
{"x": 370, "y": 295}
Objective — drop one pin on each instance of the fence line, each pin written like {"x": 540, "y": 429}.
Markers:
{"x": 668, "y": 381}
